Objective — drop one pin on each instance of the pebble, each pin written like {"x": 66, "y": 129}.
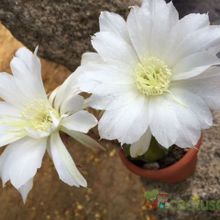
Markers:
{"x": 151, "y": 166}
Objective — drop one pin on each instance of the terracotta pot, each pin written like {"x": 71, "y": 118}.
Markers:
{"x": 175, "y": 173}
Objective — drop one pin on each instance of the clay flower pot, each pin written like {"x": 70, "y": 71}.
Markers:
{"x": 175, "y": 173}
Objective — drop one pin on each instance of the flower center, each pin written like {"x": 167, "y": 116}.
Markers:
{"x": 39, "y": 115}
{"x": 152, "y": 77}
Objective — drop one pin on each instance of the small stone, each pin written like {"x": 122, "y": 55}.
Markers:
{"x": 79, "y": 206}
{"x": 33, "y": 208}
{"x": 97, "y": 160}
{"x": 67, "y": 212}
{"x": 97, "y": 216}
{"x": 112, "y": 153}
{"x": 151, "y": 166}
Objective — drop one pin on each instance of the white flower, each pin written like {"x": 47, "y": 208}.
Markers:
{"x": 153, "y": 74}
{"x": 30, "y": 124}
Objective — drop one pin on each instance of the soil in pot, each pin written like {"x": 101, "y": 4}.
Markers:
{"x": 172, "y": 155}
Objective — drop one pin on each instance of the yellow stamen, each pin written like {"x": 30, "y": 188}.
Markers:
{"x": 38, "y": 115}
{"x": 152, "y": 77}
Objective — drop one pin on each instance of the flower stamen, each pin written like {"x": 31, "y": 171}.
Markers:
{"x": 38, "y": 115}
{"x": 153, "y": 77}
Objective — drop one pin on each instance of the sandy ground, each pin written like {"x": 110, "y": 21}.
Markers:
{"x": 113, "y": 193}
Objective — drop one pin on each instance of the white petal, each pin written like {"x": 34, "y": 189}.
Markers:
{"x": 112, "y": 22}
{"x": 81, "y": 121}
{"x": 36, "y": 134}
{"x": 180, "y": 119}
{"x": 25, "y": 189}
{"x": 64, "y": 164}
{"x": 194, "y": 65}
{"x": 114, "y": 101}
{"x": 145, "y": 29}
{"x": 206, "y": 85}
{"x": 90, "y": 57}
{"x": 106, "y": 73}
{"x": 20, "y": 161}
{"x": 113, "y": 49}
{"x": 190, "y": 23}
{"x": 9, "y": 134}
{"x": 187, "y": 140}
{"x": 10, "y": 92}
{"x": 199, "y": 40}
{"x": 53, "y": 96}
{"x": 127, "y": 124}
{"x": 184, "y": 28}
{"x": 139, "y": 27}
{"x": 161, "y": 13}
{"x": 99, "y": 102}
{"x": 84, "y": 139}
{"x": 164, "y": 124}
{"x": 72, "y": 104}
{"x": 26, "y": 68}
{"x": 196, "y": 105}
{"x": 8, "y": 110}
{"x": 104, "y": 79}
{"x": 141, "y": 146}
{"x": 9, "y": 119}
{"x": 68, "y": 89}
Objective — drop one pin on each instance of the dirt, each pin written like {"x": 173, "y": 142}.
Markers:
{"x": 175, "y": 153}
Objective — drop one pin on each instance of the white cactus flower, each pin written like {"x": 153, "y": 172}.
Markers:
{"x": 30, "y": 124}
{"x": 153, "y": 74}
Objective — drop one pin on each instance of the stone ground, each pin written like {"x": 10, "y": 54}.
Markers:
{"x": 113, "y": 193}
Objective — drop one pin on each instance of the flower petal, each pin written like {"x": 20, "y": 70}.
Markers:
{"x": 113, "y": 101}
{"x": 99, "y": 102}
{"x": 8, "y": 136}
{"x": 184, "y": 28}
{"x": 84, "y": 139}
{"x": 199, "y": 40}
{"x": 64, "y": 164}
{"x": 9, "y": 91}
{"x": 145, "y": 29}
{"x": 64, "y": 92}
{"x": 189, "y": 24}
{"x": 206, "y": 85}
{"x": 26, "y": 65}
{"x": 196, "y": 105}
{"x": 194, "y": 65}
{"x": 90, "y": 57}
{"x": 139, "y": 26}
{"x": 93, "y": 79}
{"x": 112, "y": 22}
{"x": 25, "y": 189}
{"x": 180, "y": 119}
{"x": 81, "y": 121}
{"x": 142, "y": 145}
{"x": 113, "y": 49}
{"x": 127, "y": 124}
{"x": 72, "y": 104}
{"x": 20, "y": 161}
{"x": 8, "y": 110}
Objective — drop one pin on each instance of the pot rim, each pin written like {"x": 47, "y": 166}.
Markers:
{"x": 189, "y": 156}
